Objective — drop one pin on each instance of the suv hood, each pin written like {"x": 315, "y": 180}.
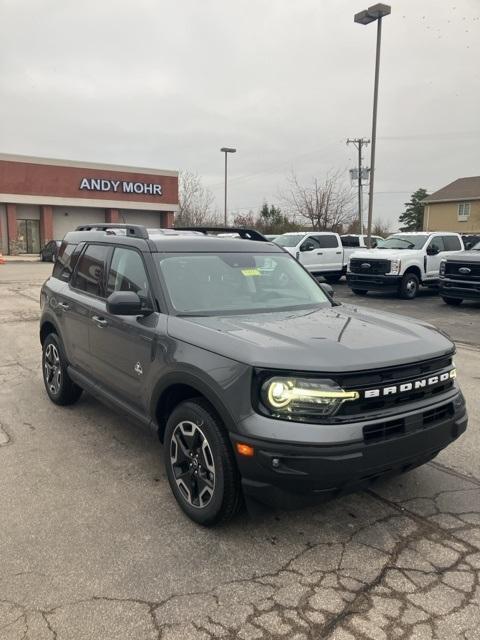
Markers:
{"x": 333, "y": 339}
{"x": 386, "y": 254}
{"x": 465, "y": 256}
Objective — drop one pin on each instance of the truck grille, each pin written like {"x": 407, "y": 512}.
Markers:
{"x": 452, "y": 270}
{"x": 375, "y": 267}
{"x": 382, "y": 431}
{"x": 393, "y": 376}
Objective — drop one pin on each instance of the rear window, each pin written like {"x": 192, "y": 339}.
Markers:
{"x": 65, "y": 263}
{"x": 452, "y": 243}
{"x": 328, "y": 241}
{"x": 350, "y": 241}
{"x": 90, "y": 273}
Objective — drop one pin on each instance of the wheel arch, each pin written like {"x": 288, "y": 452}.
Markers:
{"x": 178, "y": 387}
{"x": 413, "y": 268}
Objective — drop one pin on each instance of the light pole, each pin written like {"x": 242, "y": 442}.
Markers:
{"x": 375, "y": 12}
{"x": 226, "y": 151}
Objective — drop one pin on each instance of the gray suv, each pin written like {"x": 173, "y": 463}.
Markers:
{"x": 260, "y": 385}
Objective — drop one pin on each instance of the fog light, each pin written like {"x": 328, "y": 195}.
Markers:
{"x": 244, "y": 449}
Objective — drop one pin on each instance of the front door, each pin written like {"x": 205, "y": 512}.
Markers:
{"x": 433, "y": 261}
{"x": 123, "y": 347}
{"x": 28, "y": 236}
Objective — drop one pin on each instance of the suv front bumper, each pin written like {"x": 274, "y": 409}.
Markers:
{"x": 373, "y": 282}
{"x": 288, "y": 475}
{"x": 462, "y": 289}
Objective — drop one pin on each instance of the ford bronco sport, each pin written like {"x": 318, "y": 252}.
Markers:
{"x": 258, "y": 383}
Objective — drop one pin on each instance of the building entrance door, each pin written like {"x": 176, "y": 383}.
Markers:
{"x": 28, "y": 236}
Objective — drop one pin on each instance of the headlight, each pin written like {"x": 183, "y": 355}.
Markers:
{"x": 395, "y": 267}
{"x": 303, "y": 398}
{"x": 443, "y": 266}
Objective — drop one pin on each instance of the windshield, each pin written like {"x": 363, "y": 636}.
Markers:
{"x": 289, "y": 241}
{"x": 403, "y": 242}
{"x": 216, "y": 284}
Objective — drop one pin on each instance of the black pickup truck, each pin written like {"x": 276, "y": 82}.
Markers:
{"x": 460, "y": 276}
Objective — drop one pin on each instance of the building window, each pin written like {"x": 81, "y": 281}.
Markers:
{"x": 463, "y": 211}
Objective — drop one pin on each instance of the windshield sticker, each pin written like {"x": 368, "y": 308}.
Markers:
{"x": 251, "y": 272}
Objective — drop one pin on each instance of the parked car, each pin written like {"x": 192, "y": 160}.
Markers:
{"x": 470, "y": 240}
{"x": 258, "y": 384}
{"x": 460, "y": 276}
{"x": 49, "y": 252}
{"x": 402, "y": 263}
{"x": 320, "y": 252}
{"x": 271, "y": 237}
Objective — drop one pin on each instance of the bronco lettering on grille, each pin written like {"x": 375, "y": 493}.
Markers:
{"x": 410, "y": 386}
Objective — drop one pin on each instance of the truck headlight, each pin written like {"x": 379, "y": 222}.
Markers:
{"x": 395, "y": 267}
{"x": 443, "y": 266}
{"x": 303, "y": 398}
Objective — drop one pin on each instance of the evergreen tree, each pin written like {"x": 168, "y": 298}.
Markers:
{"x": 412, "y": 217}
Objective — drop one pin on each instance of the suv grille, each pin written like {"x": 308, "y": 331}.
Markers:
{"x": 391, "y": 377}
{"x": 377, "y": 267}
{"x": 452, "y": 270}
{"x": 382, "y": 431}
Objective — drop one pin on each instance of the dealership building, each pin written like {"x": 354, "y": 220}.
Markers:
{"x": 42, "y": 199}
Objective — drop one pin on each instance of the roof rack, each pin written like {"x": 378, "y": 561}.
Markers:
{"x": 136, "y": 230}
{"x": 245, "y": 234}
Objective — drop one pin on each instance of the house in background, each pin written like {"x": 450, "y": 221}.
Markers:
{"x": 455, "y": 207}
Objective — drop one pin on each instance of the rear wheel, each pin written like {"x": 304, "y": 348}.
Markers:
{"x": 453, "y": 301}
{"x": 360, "y": 292}
{"x": 409, "y": 286}
{"x": 333, "y": 279}
{"x": 200, "y": 464}
{"x": 60, "y": 388}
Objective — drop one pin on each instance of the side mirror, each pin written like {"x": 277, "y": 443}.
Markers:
{"x": 124, "y": 303}
{"x": 432, "y": 250}
{"x": 306, "y": 247}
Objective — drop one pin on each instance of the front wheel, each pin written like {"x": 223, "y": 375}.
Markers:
{"x": 453, "y": 301}
{"x": 409, "y": 286}
{"x": 60, "y": 388}
{"x": 200, "y": 464}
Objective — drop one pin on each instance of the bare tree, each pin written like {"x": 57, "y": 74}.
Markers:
{"x": 325, "y": 204}
{"x": 195, "y": 202}
{"x": 381, "y": 228}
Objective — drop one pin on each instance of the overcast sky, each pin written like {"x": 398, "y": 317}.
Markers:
{"x": 166, "y": 84}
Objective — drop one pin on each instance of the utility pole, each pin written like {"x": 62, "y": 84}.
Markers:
{"x": 359, "y": 143}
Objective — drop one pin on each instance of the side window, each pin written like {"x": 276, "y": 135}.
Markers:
{"x": 65, "y": 263}
{"x": 309, "y": 244}
{"x": 438, "y": 243}
{"x": 350, "y": 241}
{"x": 328, "y": 241}
{"x": 127, "y": 273}
{"x": 91, "y": 269}
{"x": 452, "y": 243}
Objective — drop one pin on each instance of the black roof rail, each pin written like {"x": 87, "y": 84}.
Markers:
{"x": 245, "y": 234}
{"x": 136, "y": 230}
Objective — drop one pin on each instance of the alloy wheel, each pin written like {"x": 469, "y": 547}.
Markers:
{"x": 52, "y": 369}
{"x": 192, "y": 464}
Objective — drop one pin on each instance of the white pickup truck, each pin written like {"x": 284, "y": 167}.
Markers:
{"x": 402, "y": 262}
{"x": 353, "y": 242}
{"x": 321, "y": 252}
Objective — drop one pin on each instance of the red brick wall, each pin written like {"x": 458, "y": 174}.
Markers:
{"x": 24, "y": 178}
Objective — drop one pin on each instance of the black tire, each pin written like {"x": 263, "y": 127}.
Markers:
{"x": 208, "y": 488}
{"x": 409, "y": 286}
{"x": 60, "y": 388}
{"x": 334, "y": 278}
{"x": 360, "y": 292}
{"x": 455, "y": 302}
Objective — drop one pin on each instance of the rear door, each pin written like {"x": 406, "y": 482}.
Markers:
{"x": 86, "y": 286}
{"x": 330, "y": 255}
{"x": 123, "y": 347}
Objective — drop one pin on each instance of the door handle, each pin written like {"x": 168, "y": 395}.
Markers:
{"x": 64, "y": 306}
{"x": 338, "y": 253}
{"x": 101, "y": 322}
{"x": 319, "y": 253}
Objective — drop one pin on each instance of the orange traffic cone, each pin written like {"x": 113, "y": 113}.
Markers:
{"x": 2, "y": 259}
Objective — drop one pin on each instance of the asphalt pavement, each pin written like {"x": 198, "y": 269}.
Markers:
{"x": 93, "y": 546}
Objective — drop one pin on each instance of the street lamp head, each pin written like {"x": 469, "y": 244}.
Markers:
{"x": 228, "y": 150}
{"x": 373, "y": 13}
